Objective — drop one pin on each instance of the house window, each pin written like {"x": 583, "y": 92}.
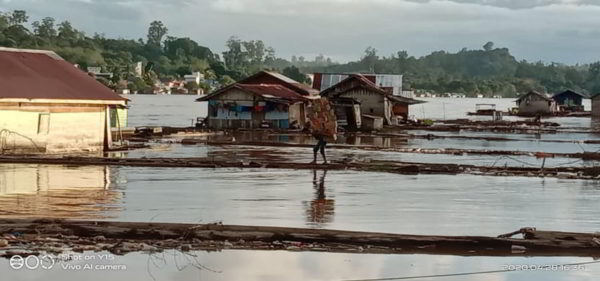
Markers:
{"x": 43, "y": 123}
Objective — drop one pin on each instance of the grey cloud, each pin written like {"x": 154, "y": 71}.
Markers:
{"x": 342, "y": 29}
{"x": 519, "y": 4}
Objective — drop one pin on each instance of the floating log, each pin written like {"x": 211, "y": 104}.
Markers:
{"x": 449, "y": 151}
{"x": 123, "y": 237}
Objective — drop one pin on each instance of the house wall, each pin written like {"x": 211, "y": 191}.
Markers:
{"x": 227, "y": 119}
{"x": 296, "y": 113}
{"x": 596, "y": 106}
{"x": 370, "y": 103}
{"x": 400, "y": 109}
{"x": 118, "y": 117}
{"x": 371, "y": 123}
{"x": 568, "y": 100}
{"x": 52, "y": 129}
{"x": 533, "y": 105}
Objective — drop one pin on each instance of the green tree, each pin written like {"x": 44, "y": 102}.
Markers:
{"x": 369, "y": 59}
{"x": 156, "y": 32}
{"x": 294, "y": 73}
{"x": 45, "y": 29}
{"x": 66, "y": 31}
{"x": 226, "y": 80}
{"x": 18, "y": 17}
{"x": 488, "y": 46}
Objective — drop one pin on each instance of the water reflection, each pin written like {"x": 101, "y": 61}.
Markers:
{"x": 320, "y": 210}
{"x": 172, "y": 265}
{"x": 57, "y": 191}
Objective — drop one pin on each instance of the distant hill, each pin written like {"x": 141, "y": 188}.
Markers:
{"x": 489, "y": 71}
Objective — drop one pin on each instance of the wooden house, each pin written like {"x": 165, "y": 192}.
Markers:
{"x": 373, "y": 100}
{"x": 264, "y": 99}
{"x": 534, "y": 103}
{"x": 569, "y": 101}
{"x": 47, "y": 105}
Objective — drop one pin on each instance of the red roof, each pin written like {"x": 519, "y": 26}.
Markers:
{"x": 268, "y": 77}
{"x": 32, "y": 74}
{"x": 276, "y": 91}
{"x": 266, "y": 91}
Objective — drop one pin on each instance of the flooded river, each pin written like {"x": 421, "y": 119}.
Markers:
{"x": 182, "y": 110}
{"x": 348, "y": 200}
{"x": 280, "y": 265}
{"x": 421, "y": 204}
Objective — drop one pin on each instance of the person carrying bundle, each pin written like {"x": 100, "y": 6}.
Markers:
{"x": 322, "y": 126}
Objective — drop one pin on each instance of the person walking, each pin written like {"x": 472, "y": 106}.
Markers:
{"x": 321, "y": 143}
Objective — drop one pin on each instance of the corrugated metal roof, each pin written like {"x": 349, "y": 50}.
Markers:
{"x": 267, "y": 91}
{"x": 571, "y": 92}
{"x": 306, "y": 88}
{"x": 276, "y": 91}
{"x": 363, "y": 82}
{"x": 400, "y": 99}
{"x": 543, "y": 96}
{"x": 346, "y": 85}
{"x": 36, "y": 74}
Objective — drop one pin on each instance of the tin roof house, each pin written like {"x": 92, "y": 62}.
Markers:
{"x": 373, "y": 100}
{"x": 569, "y": 101}
{"x": 392, "y": 83}
{"x": 534, "y": 103}
{"x": 47, "y": 105}
{"x": 265, "y": 99}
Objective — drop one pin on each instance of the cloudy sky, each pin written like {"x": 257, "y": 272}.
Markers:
{"x": 565, "y": 31}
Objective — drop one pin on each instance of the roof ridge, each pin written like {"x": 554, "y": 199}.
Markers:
{"x": 49, "y": 53}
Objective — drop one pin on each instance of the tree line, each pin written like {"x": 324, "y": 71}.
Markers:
{"x": 488, "y": 71}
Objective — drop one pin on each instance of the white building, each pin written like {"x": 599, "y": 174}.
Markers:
{"x": 194, "y": 77}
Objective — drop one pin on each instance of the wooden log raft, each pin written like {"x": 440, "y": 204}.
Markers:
{"x": 121, "y": 237}
{"x": 398, "y": 167}
{"x": 449, "y": 151}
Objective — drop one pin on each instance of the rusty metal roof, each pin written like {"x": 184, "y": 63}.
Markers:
{"x": 272, "y": 91}
{"x": 266, "y": 91}
{"x": 36, "y": 74}
{"x": 543, "y": 96}
{"x": 286, "y": 81}
{"x": 352, "y": 82}
{"x": 360, "y": 81}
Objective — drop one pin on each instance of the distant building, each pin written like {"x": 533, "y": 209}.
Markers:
{"x": 596, "y": 106}
{"x": 373, "y": 100}
{"x": 392, "y": 83}
{"x": 48, "y": 105}
{"x": 534, "y": 103}
{"x": 569, "y": 101}
{"x": 139, "y": 69}
{"x": 96, "y": 71}
{"x": 194, "y": 77}
{"x": 264, "y": 98}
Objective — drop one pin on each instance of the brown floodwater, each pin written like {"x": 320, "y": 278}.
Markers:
{"x": 231, "y": 265}
{"x": 367, "y": 201}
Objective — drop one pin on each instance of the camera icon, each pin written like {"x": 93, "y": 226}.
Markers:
{"x": 16, "y": 262}
{"x": 32, "y": 262}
